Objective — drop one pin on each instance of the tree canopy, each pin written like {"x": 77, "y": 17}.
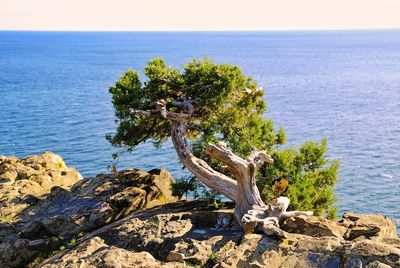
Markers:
{"x": 228, "y": 105}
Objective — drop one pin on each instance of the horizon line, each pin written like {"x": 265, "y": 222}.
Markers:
{"x": 203, "y": 30}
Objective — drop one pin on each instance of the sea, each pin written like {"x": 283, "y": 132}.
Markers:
{"x": 342, "y": 85}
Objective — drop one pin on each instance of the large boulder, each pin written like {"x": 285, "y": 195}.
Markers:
{"x": 23, "y": 181}
{"x": 352, "y": 226}
{"x": 128, "y": 190}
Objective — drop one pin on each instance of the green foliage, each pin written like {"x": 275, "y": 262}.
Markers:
{"x": 73, "y": 242}
{"x": 213, "y": 256}
{"x": 154, "y": 223}
{"x": 311, "y": 178}
{"x": 191, "y": 186}
{"x": 229, "y": 107}
{"x": 212, "y": 200}
{"x": 212, "y": 260}
{"x": 191, "y": 264}
{"x": 186, "y": 186}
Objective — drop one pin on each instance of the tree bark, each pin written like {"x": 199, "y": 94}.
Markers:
{"x": 250, "y": 211}
{"x": 213, "y": 179}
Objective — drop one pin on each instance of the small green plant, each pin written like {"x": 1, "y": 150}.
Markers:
{"x": 227, "y": 246}
{"x": 212, "y": 260}
{"x": 185, "y": 186}
{"x": 212, "y": 199}
{"x": 191, "y": 264}
{"x": 35, "y": 262}
{"x": 73, "y": 242}
{"x": 212, "y": 257}
{"x": 154, "y": 223}
{"x": 61, "y": 248}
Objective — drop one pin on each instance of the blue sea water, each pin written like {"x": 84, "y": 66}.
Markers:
{"x": 343, "y": 85}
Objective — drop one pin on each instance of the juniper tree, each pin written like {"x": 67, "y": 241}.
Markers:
{"x": 214, "y": 115}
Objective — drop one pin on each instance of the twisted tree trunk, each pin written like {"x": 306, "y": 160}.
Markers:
{"x": 250, "y": 211}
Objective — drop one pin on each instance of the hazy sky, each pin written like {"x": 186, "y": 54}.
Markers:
{"x": 197, "y": 15}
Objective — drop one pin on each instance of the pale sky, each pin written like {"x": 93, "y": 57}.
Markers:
{"x": 132, "y": 15}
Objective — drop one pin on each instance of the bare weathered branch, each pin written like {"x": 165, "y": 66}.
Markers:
{"x": 210, "y": 177}
{"x": 162, "y": 114}
{"x": 258, "y": 158}
{"x": 186, "y": 105}
{"x": 152, "y": 114}
{"x": 288, "y": 214}
{"x": 226, "y": 156}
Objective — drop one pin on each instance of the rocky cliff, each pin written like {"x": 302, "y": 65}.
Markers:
{"x": 101, "y": 222}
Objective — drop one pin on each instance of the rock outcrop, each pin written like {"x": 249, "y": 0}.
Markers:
{"x": 41, "y": 211}
{"x": 93, "y": 202}
{"x": 100, "y": 222}
{"x": 190, "y": 234}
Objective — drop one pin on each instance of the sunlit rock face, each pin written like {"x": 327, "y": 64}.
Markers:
{"x": 24, "y": 181}
{"x": 129, "y": 219}
{"x": 45, "y": 204}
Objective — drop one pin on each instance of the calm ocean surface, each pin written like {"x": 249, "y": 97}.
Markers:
{"x": 344, "y": 85}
